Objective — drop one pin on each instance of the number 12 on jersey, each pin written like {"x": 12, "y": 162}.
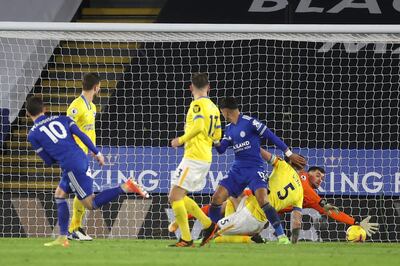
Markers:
{"x": 213, "y": 123}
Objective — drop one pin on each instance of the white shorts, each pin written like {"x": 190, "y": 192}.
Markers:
{"x": 241, "y": 222}
{"x": 191, "y": 175}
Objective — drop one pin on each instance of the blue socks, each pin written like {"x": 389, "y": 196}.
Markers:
{"x": 106, "y": 196}
{"x": 63, "y": 215}
{"x": 273, "y": 218}
{"x": 215, "y": 213}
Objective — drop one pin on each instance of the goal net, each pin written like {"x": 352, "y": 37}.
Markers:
{"x": 333, "y": 97}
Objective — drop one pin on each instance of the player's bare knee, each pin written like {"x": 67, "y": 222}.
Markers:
{"x": 176, "y": 193}
{"x": 262, "y": 196}
{"x": 88, "y": 202}
{"x": 217, "y": 199}
{"x": 60, "y": 194}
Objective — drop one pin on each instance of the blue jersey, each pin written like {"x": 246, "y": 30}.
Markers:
{"x": 245, "y": 138}
{"x": 51, "y": 138}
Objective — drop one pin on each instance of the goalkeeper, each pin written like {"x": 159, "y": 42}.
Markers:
{"x": 311, "y": 180}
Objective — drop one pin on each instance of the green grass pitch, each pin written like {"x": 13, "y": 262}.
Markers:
{"x": 111, "y": 252}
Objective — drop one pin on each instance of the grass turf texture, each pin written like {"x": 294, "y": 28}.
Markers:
{"x": 154, "y": 252}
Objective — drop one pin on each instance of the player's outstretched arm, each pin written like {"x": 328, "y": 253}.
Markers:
{"x": 48, "y": 160}
{"x": 266, "y": 133}
{"x": 85, "y": 139}
{"x": 295, "y": 221}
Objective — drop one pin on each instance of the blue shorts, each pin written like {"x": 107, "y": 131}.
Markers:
{"x": 239, "y": 178}
{"x": 77, "y": 181}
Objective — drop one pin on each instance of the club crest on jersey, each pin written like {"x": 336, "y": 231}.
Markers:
{"x": 74, "y": 111}
{"x": 242, "y": 134}
{"x": 303, "y": 177}
{"x": 196, "y": 108}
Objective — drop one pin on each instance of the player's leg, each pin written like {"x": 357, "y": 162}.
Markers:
{"x": 226, "y": 187}
{"x": 176, "y": 196}
{"x": 62, "y": 214}
{"x": 82, "y": 185}
{"x": 198, "y": 174}
{"x": 194, "y": 209}
{"x": 75, "y": 227}
{"x": 181, "y": 182}
{"x": 76, "y": 231}
{"x": 295, "y": 224}
{"x": 260, "y": 189}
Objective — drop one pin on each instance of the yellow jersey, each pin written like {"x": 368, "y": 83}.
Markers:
{"x": 202, "y": 127}
{"x": 83, "y": 113}
{"x": 284, "y": 186}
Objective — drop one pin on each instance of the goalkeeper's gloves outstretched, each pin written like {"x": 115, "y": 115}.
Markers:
{"x": 370, "y": 228}
{"x": 328, "y": 208}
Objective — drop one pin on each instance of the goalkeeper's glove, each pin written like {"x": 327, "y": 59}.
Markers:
{"x": 370, "y": 228}
{"x": 328, "y": 208}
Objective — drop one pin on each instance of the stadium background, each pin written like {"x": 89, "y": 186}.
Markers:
{"x": 346, "y": 110}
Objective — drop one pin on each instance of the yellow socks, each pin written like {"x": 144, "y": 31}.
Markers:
{"x": 194, "y": 209}
{"x": 230, "y": 208}
{"x": 78, "y": 211}
{"x": 233, "y": 239}
{"x": 181, "y": 219}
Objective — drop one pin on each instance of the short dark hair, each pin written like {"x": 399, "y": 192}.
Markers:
{"x": 200, "y": 80}
{"x": 229, "y": 103}
{"x": 89, "y": 81}
{"x": 34, "y": 105}
{"x": 314, "y": 168}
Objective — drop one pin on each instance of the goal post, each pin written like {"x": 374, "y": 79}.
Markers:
{"x": 329, "y": 91}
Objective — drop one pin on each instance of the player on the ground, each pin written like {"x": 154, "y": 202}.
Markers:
{"x": 243, "y": 220}
{"x": 311, "y": 180}
{"x": 52, "y": 139}
{"x": 243, "y": 215}
{"x": 83, "y": 112}
{"x": 244, "y": 134}
{"x": 202, "y": 127}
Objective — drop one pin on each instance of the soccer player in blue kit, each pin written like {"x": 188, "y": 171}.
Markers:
{"x": 244, "y": 134}
{"x": 52, "y": 139}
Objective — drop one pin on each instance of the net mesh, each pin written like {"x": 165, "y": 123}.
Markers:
{"x": 333, "y": 97}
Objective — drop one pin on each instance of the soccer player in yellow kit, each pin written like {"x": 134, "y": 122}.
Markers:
{"x": 83, "y": 111}
{"x": 202, "y": 128}
{"x": 285, "y": 189}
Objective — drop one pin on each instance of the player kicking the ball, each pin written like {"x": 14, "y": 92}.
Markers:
{"x": 202, "y": 127}
{"x": 244, "y": 134}
{"x": 52, "y": 139}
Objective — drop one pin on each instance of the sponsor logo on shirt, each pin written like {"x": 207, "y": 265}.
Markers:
{"x": 242, "y": 146}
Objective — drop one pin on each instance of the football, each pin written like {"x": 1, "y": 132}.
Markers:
{"x": 356, "y": 233}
